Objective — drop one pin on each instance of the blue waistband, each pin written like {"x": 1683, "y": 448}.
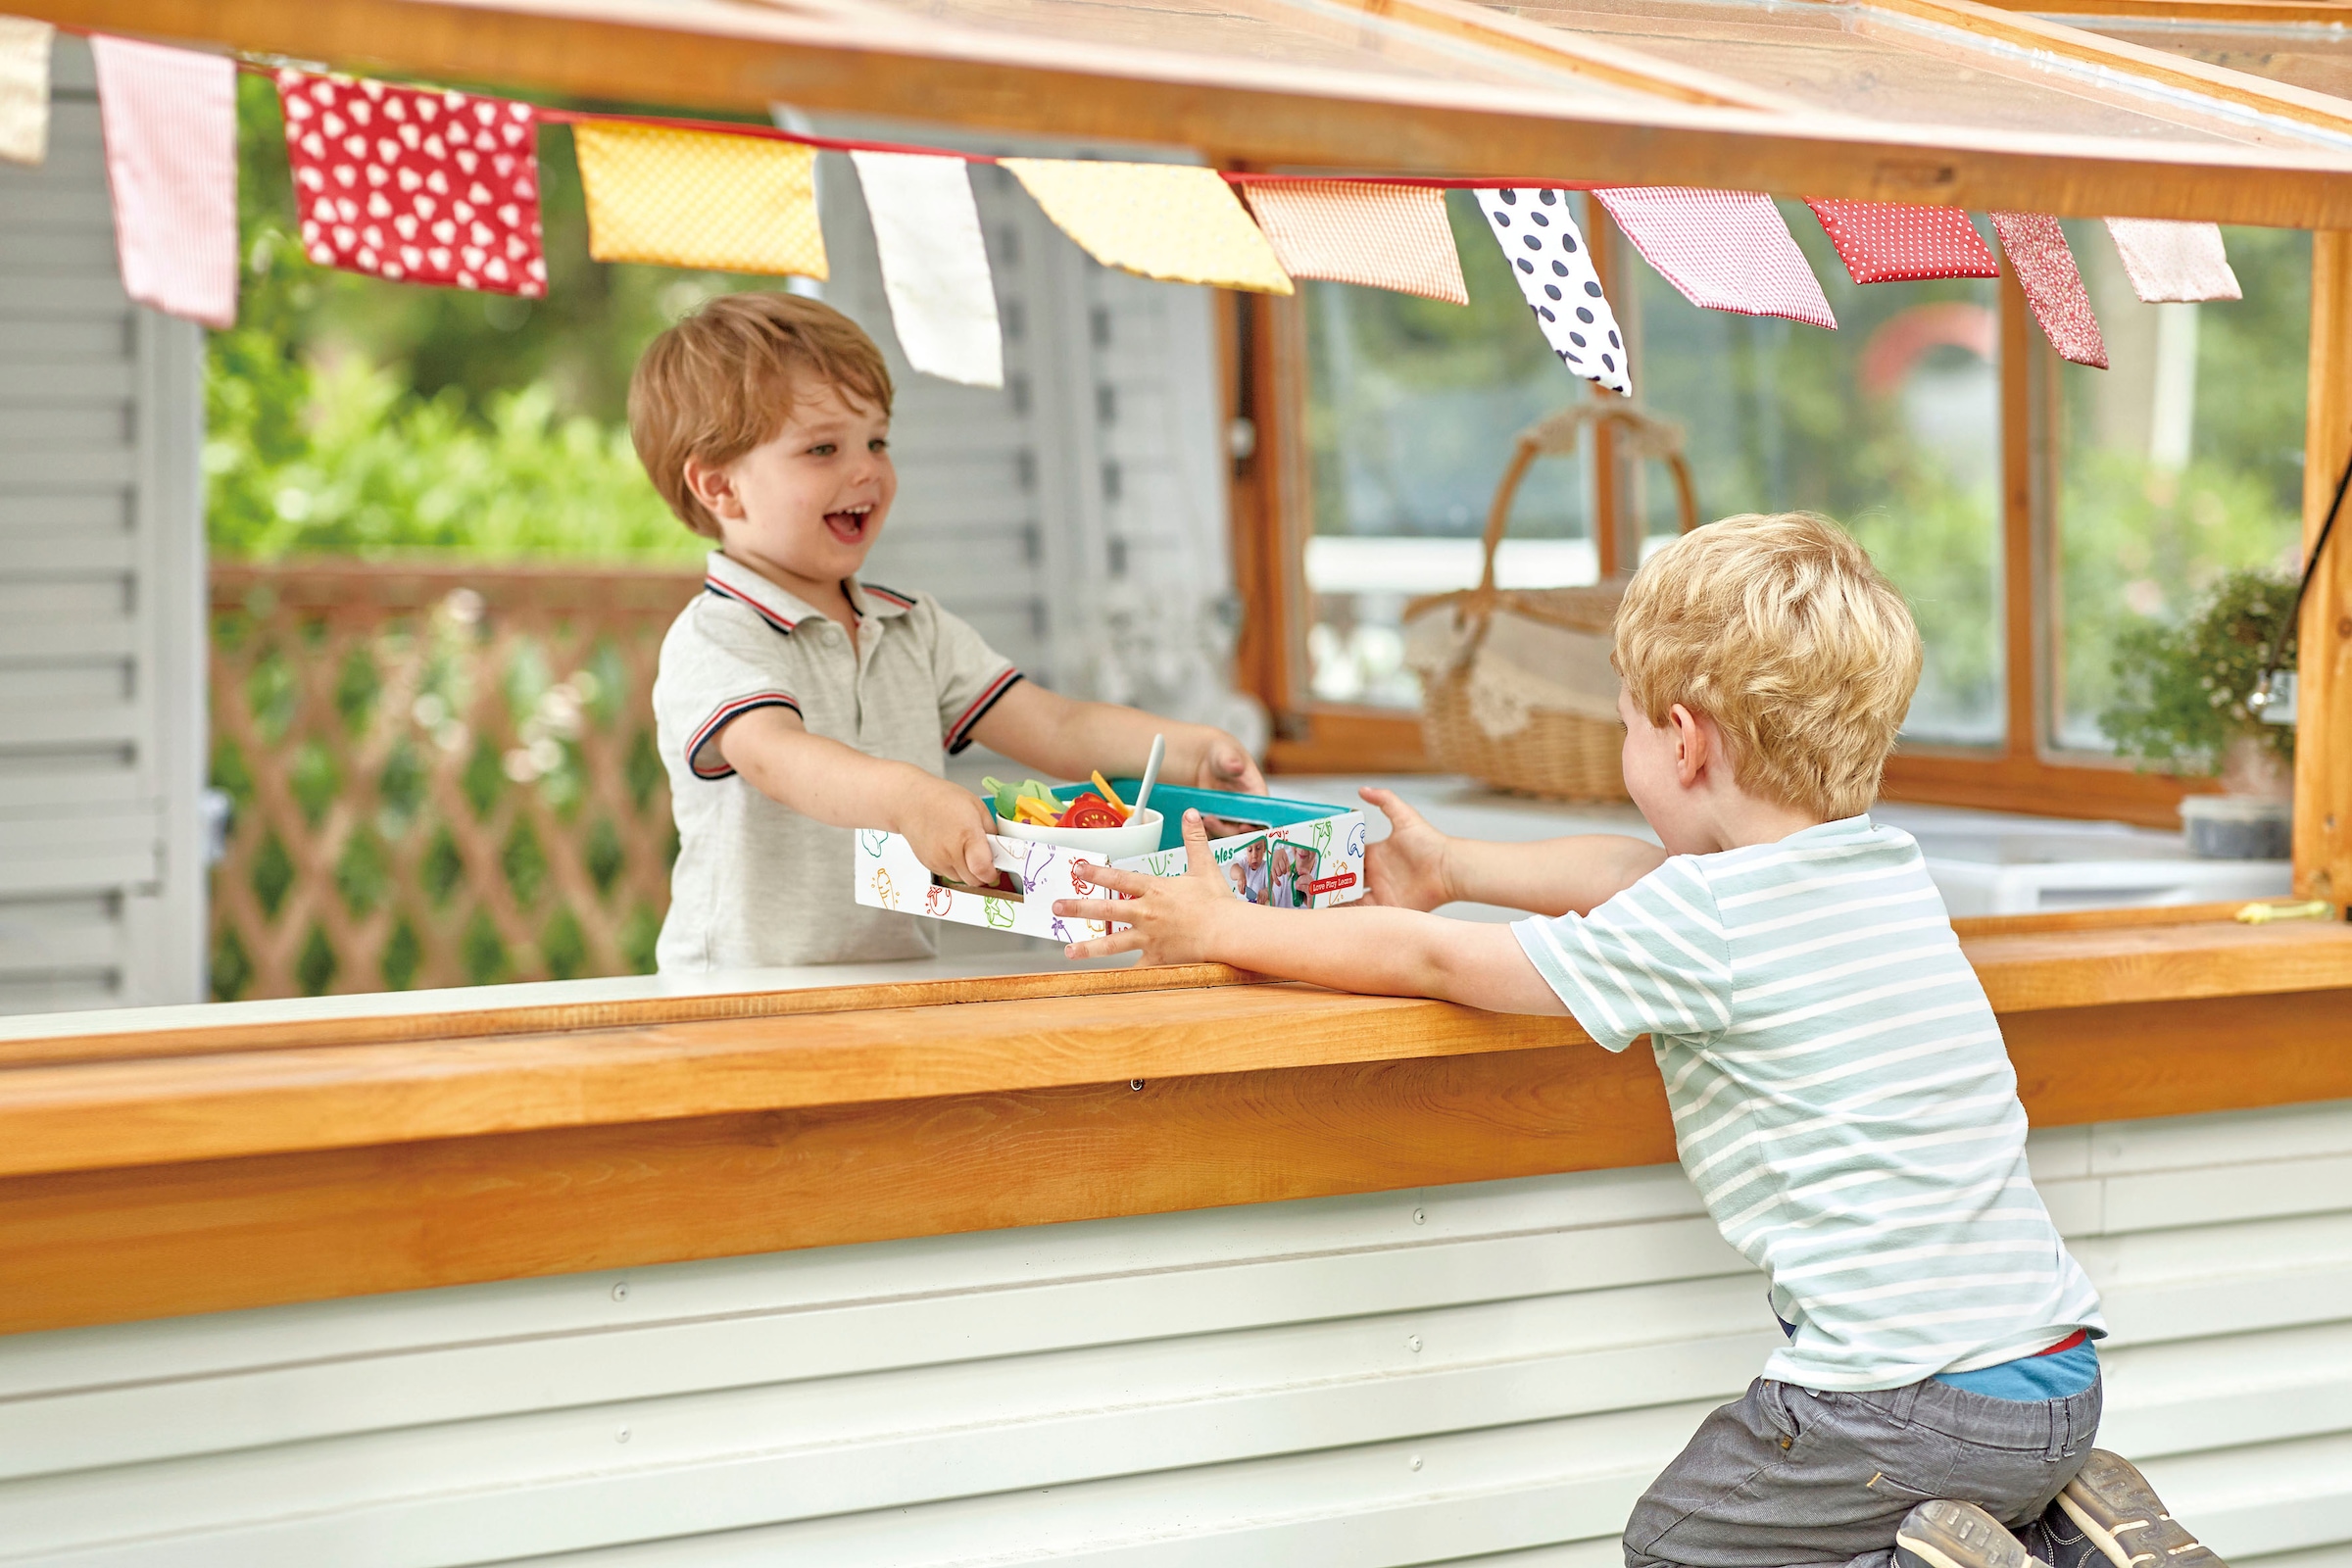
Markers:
{"x": 2055, "y": 1375}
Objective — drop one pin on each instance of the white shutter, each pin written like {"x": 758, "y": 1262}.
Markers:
{"x": 101, "y": 599}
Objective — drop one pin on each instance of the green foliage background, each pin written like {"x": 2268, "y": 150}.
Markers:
{"x": 2180, "y": 690}
{"x": 349, "y": 416}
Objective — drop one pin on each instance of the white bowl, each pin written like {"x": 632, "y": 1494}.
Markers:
{"x": 1138, "y": 835}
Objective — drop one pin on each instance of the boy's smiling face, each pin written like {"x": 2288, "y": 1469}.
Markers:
{"x": 805, "y": 507}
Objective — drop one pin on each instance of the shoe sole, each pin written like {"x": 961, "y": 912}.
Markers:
{"x": 1938, "y": 1534}
{"x": 2126, "y": 1520}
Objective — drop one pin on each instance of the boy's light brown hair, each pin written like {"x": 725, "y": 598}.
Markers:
{"x": 723, "y": 378}
{"x": 1781, "y": 630}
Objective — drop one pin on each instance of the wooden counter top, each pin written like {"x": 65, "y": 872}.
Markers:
{"x": 100, "y": 1102}
{"x": 192, "y": 1169}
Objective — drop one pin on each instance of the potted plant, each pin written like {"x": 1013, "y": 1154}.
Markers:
{"x": 2182, "y": 704}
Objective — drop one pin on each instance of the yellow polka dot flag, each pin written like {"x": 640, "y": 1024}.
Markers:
{"x": 1174, "y": 221}
{"x": 690, "y": 198}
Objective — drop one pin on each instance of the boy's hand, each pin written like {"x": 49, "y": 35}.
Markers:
{"x": 948, "y": 828}
{"x": 1407, "y": 868}
{"x": 1170, "y": 920}
{"x": 1226, "y": 765}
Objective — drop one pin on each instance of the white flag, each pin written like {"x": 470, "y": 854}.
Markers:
{"x": 2174, "y": 262}
{"x": 943, "y": 302}
{"x": 25, "y": 89}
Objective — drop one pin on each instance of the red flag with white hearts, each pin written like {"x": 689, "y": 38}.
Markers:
{"x": 415, "y": 185}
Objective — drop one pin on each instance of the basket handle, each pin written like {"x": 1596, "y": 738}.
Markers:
{"x": 1645, "y": 435}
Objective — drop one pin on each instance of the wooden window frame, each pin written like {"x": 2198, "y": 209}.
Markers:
{"x": 1265, "y": 360}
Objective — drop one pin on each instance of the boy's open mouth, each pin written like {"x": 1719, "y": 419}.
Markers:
{"x": 848, "y": 523}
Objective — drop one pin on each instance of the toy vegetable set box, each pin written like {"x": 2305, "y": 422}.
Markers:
{"x": 1290, "y": 855}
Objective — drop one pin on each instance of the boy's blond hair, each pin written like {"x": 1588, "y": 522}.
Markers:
{"x": 1781, "y": 630}
{"x": 723, "y": 378}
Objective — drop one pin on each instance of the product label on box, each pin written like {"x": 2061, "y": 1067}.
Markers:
{"x": 1331, "y": 884}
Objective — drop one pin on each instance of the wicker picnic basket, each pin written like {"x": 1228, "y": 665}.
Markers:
{"x": 1536, "y": 737}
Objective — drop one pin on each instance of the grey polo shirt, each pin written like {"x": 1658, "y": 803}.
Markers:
{"x": 756, "y": 882}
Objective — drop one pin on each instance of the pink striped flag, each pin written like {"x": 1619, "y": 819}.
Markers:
{"x": 1728, "y": 250}
{"x": 170, "y": 117}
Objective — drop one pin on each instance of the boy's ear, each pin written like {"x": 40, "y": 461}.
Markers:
{"x": 1693, "y": 745}
{"x": 713, "y": 487}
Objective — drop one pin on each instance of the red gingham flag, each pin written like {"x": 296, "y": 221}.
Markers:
{"x": 2045, "y": 269}
{"x": 1728, "y": 250}
{"x": 169, "y": 117}
{"x": 421, "y": 187}
{"x": 1884, "y": 243}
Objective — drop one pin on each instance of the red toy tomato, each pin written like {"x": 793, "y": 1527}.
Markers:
{"x": 1092, "y": 811}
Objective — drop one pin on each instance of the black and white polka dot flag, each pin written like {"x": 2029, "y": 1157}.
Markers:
{"x": 1548, "y": 257}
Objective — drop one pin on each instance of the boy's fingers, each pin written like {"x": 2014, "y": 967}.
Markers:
{"x": 1104, "y": 947}
{"x": 980, "y": 861}
{"x": 1104, "y": 909}
{"x": 1198, "y": 862}
{"x": 1396, "y": 811}
{"x": 1103, "y": 876}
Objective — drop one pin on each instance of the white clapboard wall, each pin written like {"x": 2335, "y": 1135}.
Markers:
{"x": 1078, "y": 517}
{"x": 1478, "y": 1374}
{"x": 101, "y": 599}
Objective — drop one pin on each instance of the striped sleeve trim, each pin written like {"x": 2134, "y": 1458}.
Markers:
{"x": 727, "y": 713}
{"x": 959, "y": 734}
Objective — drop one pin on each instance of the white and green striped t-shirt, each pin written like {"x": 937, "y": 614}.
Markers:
{"x": 1842, "y": 1099}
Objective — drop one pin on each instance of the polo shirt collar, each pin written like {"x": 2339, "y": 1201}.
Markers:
{"x": 872, "y": 599}
{"x": 729, "y": 579}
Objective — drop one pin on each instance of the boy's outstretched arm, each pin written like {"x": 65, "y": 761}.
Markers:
{"x": 1069, "y": 739}
{"x": 1418, "y": 868}
{"x": 1195, "y": 918}
{"x": 946, "y": 824}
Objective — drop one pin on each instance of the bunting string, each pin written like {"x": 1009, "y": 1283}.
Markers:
{"x": 389, "y": 191}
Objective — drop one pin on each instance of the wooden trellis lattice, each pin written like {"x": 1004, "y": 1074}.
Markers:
{"x": 440, "y": 776}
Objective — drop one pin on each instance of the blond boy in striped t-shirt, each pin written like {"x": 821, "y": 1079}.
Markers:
{"x": 1841, "y": 1098}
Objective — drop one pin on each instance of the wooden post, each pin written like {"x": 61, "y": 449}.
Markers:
{"x": 2021, "y": 727}
{"x": 1608, "y": 505}
{"x": 2324, "y": 745}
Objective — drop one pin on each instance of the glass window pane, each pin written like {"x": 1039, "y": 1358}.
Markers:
{"x": 1890, "y": 424}
{"x": 1877, "y": 65}
{"x": 2315, "y": 55}
{"x": 1275, "y": 33}
{"x": 1412, "y": 409}
{"x": 2180, "y": 462}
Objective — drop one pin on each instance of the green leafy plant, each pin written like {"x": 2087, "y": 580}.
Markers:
{"x": 2180, "y": 690}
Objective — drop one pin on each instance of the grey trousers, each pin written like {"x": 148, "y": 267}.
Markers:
{"x": 1787, "y": 1477}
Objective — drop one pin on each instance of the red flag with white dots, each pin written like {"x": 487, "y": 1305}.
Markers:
{"x": 416, "y": 186}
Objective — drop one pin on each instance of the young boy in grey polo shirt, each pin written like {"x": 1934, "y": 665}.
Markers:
{"x": 1842, "y": 1099}
{"x": 796, "y": 703}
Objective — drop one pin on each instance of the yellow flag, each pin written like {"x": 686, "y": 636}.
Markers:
{"x": 1175, "y": 222}
{"x": 690, "y": 198}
